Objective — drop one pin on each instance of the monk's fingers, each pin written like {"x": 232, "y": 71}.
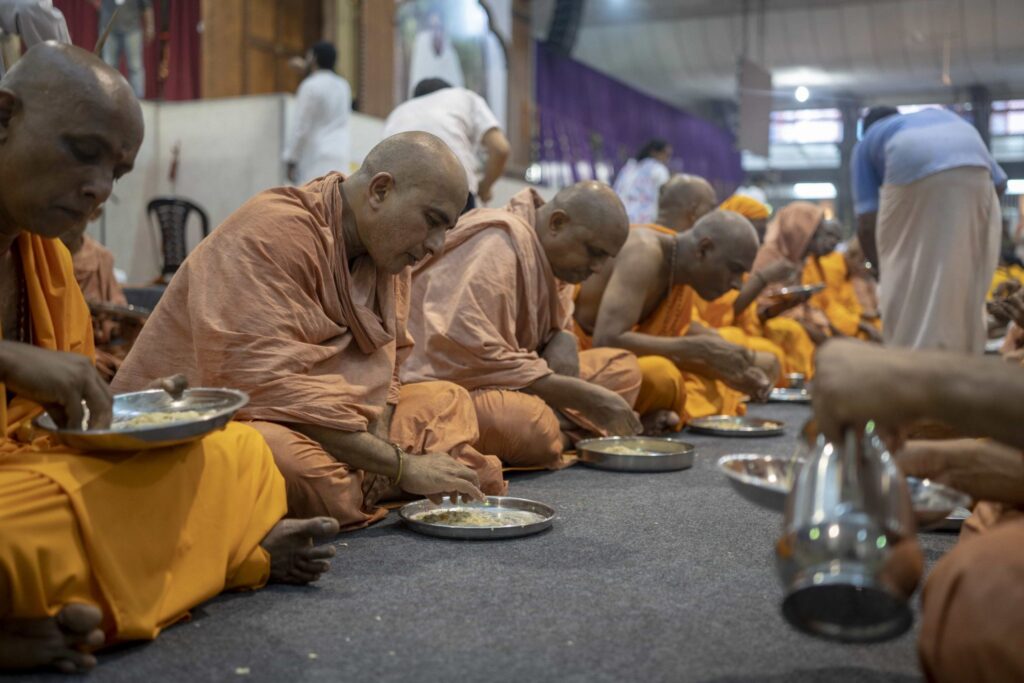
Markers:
{"x": 100, "y": 401}
{"x": 74, "y": 412}
{"x": 436, "y": 498}
{"x": 469, "y": 490}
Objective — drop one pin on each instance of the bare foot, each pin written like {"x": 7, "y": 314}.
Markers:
{"x": 660, "y": 422}
{"x": 293, "y": 557}
{"x": 59, "y": 642}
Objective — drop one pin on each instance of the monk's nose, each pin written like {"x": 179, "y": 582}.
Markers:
{"x": 99, "y": 186}
{"x": 434, "y": 243}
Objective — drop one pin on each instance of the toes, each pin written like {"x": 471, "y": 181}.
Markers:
{"x": 313, "y": 566}
{"x": 79, "y": 618}
{"x": 317, "y": 552}
{"x": 323, "y": 526}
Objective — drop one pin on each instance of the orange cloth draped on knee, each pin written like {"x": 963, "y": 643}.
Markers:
{"x": 503, "y": 414}
{"x": 430, "y": 417}
{"x": 112, "y": 530}
{"x": 271, "y": 304}
{"x": 744, "y": 330}
{"x": 482, "y": 312}
{"x": 972, "y": 614}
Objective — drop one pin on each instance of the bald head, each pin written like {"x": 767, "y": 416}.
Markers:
{"x": 420, "y": 159}
{"x": 69, "y": 127}
{"x": 724, "y": 245}
{"x": 406, "y": 195}
{"x": 581, "y": 228}
{"x": 683, "y": 200}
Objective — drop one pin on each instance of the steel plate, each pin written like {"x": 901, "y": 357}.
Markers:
{"x": 658, "y": 454}
{"x": 217, "y": 406}
{"x": 726, "y": 425}
{"x": 541, "y": 517}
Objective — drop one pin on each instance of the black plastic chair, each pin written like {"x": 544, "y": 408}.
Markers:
{"x": 171, "y": 215}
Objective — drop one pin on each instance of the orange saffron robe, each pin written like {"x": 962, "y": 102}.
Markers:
{"x": 144, "y": 537}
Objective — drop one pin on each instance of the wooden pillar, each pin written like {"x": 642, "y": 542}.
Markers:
{"x": 377, "y": 57}
{"x": 521, "y": 106}
{"x": 223, "y": 48}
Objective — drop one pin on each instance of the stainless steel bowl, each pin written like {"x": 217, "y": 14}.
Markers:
{"x": 658, "y": 454}
{"x": 764, "y": 480}
{"x": 542, "y": 517}
{"x": 789, "y": 395}
{"x": 731, "y": 426}
{"x": 796, "y": 380}
{"x": 217, "y": 406}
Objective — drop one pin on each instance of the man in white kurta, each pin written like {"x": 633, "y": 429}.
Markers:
{"x": 925, "y": 186}
{"x": 318, "y": 141}
{"x": 34, "y": 20}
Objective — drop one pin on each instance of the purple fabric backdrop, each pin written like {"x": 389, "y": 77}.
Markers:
{"x": 589, "y": 117}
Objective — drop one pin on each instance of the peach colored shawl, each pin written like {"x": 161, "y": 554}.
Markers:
{"x": 94, "y": 270}
{"x": 483, "y": 308}
{"x": 271, "y": 304}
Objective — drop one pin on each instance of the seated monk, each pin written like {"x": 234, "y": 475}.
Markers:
{"x": 865, "y": 285}
{"x": 301, "y": 298}
{"x": 493, "y": 313}
{"x": 102, "y": 548}
{"x": 839, "y": 299}
{"x": 742, "y": 326}
{"x": 797, "y": 231}
{"x": 973, "y": 602}
{"x": 94, "y": 271}
{"x": 644, "y": 304}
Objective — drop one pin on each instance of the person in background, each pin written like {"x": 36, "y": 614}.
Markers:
{"x": 640, "y": 180}
{"x": 925, "y": 189}
{"x": 465, "y": 123}
{"x": 318, "y": 142}
{"x": 134, "y": 21}
{"x": 433, "y": 55}
{"x": 34, "y": 20}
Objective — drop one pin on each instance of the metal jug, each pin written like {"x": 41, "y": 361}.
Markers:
{"x": 849, "y": 557}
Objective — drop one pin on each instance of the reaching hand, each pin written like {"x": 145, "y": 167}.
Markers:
{"x": 292, "y": 172}
{"x": 436, "y": 475}
{"x": 1010, "y": 309}
{"x": 779, "y": 271}
{"x": 59, "y": 382}
{"x": 608, "y": 411}
{"x": 981, "y": 469}
{"x": 484, "y": 193}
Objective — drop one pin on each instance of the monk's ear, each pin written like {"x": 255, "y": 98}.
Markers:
{"x": 558, "y": 220}
{"x": 9, "y": 104}
{"x": 381, "y": 185}
{"x": 704, "y": 247}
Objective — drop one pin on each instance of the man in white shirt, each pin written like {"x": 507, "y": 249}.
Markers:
{"x": 319, "y": 138}
{"x": 465, "y": 123}
{"x": 34, "y": 20}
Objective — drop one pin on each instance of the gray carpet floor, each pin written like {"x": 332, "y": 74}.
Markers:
{"x": 644, "y": 577}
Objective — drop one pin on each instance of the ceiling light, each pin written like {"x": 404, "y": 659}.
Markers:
{"x": 801, "y": 94}
{"x": 814, "y": 191}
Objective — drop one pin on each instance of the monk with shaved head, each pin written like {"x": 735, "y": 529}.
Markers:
{"x": 95, "y": 548}
{"x": 645, "y": 304}
{"x": 683, "y": 200}
{"x": 493, "y": 313}
{"x": 301, "y": 298}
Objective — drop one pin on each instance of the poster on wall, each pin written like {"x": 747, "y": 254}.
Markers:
{"x": 456, "y": 41}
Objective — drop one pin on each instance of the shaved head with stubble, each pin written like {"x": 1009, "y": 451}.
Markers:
{"x": 69, "y": 128}
{"x": 399, "y": 204}
{"x": 581, "y": 228}
{"x": 683, "y": 200}
{"x": 722, "y": 245}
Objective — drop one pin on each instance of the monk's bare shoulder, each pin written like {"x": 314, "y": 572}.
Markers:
{"x": 641, "y": 257}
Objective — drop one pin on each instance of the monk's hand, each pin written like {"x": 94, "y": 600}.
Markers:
{"x": 436, "y": 475}
{"x": 870, "y": 331}
{"x": 609, "y": 412}
{"x": 982, "y": 469}
{"x": 1011, "y": 308}
{"x": 175, "y": 385}
{"x": 779, "y": 271}
{"x": 59, "y": 381}
{"x": 856, "y": 382}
